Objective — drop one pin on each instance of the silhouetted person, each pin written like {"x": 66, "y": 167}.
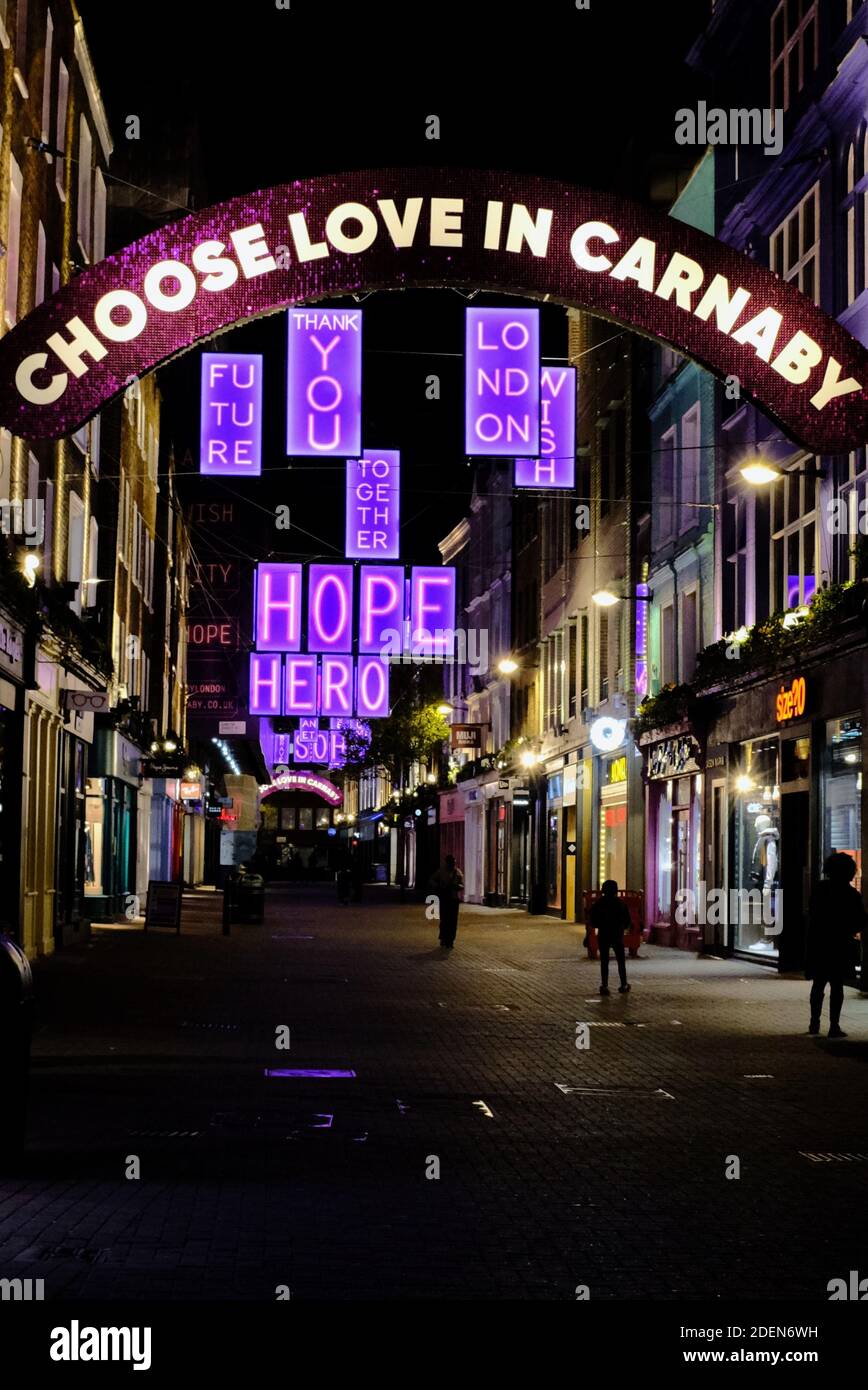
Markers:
{"x": 836, "y": 915}
{"x": 610, "y": 918}
{"x": 357, "y": 874}
{"x": 448, "y": 883}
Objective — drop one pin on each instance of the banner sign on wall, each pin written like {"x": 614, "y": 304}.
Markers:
{"x": 324, "y": 382}
{"x": 373, "y": 505}
{"x": 412, "y": 228}
{"x": 230, "y": 437}
{"x": 501, "y": 397}
{"x": 556, "y": 466}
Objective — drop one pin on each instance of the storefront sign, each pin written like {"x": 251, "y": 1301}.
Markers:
{"x": 617, "y": 770}
{"x": 608, "y": 734}
{"x": 468, "y": 736}
{"x": 404, "y": 228}
{"x": 373, "y": 505}
{"x": 96, "y": 701}
{"x": 11, "y": 649}
{"x": 163, "y": 907}
{"x": 673, "y": 757}
{"x": 556, "y": 466}
{"x": 230, "y": 438}
{"x": 324, "y": 381}
{"x": 502, "y": 390}
{"x": 191, "y": 791}
{"x": 791, "y": 700}
{"x": 640, "y": 649}
{"x": 232, "y": 726}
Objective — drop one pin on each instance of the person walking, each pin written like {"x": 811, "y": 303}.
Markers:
{"x": 610, "y": 918}
{"x": 836, "y": 916}
{"x": 448, "y": 884}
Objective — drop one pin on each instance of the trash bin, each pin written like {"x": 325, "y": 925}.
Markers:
{"x": 248, "y": 897}
{"x": 16, "y": 1029}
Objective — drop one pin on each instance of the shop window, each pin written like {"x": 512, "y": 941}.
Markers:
{"x": 842, "y": 791}
{"x": 323, "y": 818}
{"x": 305, "y": 817}
{"x": 756, "y": 858}
{"x": 664, "y": 853}
{"x": 93, "y": 836}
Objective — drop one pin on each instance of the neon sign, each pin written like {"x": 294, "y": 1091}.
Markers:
{"x": 330, "y": 608}
{"x": 277, "y": 608}
{"x": 404, "y": 228}
{"x": 373, "y": 505}
{"x": 432, "y": 609}
{"x": 324, "y": 382}
{"x": 790, "y": 703}
{"x": 381, "y": 605}
{"x": 303, "y": 782}
{"x": 230, "y": 438}
{"x": 501, "y": 397}
{"x": 556, "y": 466}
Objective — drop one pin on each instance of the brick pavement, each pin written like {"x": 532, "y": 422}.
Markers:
{"x": 157, "y": 1046}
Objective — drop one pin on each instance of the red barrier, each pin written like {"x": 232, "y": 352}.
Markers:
{"x": 636, "y": 906}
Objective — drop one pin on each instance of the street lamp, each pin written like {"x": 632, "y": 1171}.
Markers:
{"x": 507, "y": 666}
{"x": 443, "y": 708}
{"x": 759, "y": 471}
{"x": 529, "y": 759}
{"x": 604, "y": 598}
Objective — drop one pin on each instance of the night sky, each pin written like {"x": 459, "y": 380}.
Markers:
{"x": 249, "y": 96}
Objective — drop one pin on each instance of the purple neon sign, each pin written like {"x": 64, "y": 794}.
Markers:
{"x": 300, "y": 685}
{"x": 265, "y": 683}
{"x": 230, "y": 436}
{"x": 556, "y": 466}
{"x": 330, "y": 608}
{"x": 432, "y": 609}
{"x": 641, "y": 642}
{"x": 501, "y": 400}
{"x": 372, "y": 688}
{"x": 277, "y": 608}
{"x": 336, "y": 686}
{"x": 373, "y": 505}
{"x": 324, "y": 382}
{"x": 381, "y": 606}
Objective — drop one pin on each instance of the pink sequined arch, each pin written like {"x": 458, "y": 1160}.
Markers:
{"x": 335, "y": 235}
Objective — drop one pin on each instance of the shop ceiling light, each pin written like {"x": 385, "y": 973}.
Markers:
{"x": 744, "y": 783}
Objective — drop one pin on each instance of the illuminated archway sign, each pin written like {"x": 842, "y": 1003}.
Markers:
{"x": 307, "y": 241}
{"x": 304, "y": 782}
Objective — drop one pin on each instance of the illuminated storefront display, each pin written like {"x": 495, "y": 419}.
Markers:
{"x": 842, "y": 791}
{"x": 556, "y": 466}
{"x": 502, "y": 386}
{"x": 373, "y": 505}
{"x": 230, "y": 443}
{"x": 757, "y": 859}
{"x": 324, "y": 382}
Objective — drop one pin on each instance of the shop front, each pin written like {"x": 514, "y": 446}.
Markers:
{"x": 613, "y": 819}
{"x": 11, "y": 770}
{"x": 794, "y": 791}
{"x": 673, "y": 818}
{"x": 554, "y": 842}
{"x": 452, "y": 826}
{"x": 110, "y": 825}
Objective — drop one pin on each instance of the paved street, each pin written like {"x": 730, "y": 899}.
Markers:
{"x": 558, "y": 1166}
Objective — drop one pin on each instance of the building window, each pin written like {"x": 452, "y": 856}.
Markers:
{"x": 689, "y": 471}
{"x": 756, "y": 856}
{"x": 689, "y": 632}
{"x": 735, "y": 572}
{"x": 856, "y": 218}
{"x": 667, "y": 644}
{"x": 795, "y": 246}
{"x": 854, "y": 494}
{"x": 13, "y": 249}
{"x": 85, "y": 186}
{"x": 584, "y": 686}
{"x": 89, "y": 593}
{"x": 60, "y": 126}
{"x": 75, "y": 548}
{"x": 46, "y": 77}
{"x": 603, "y": 649}
{"x": 572, "y": 638}
{"x": 99, "y": 202}
{"x": 793, "y": 576}
{"x": 664, "y": 493}
{"x": 39, "y": 288}
{"x": 794, "y": 50}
